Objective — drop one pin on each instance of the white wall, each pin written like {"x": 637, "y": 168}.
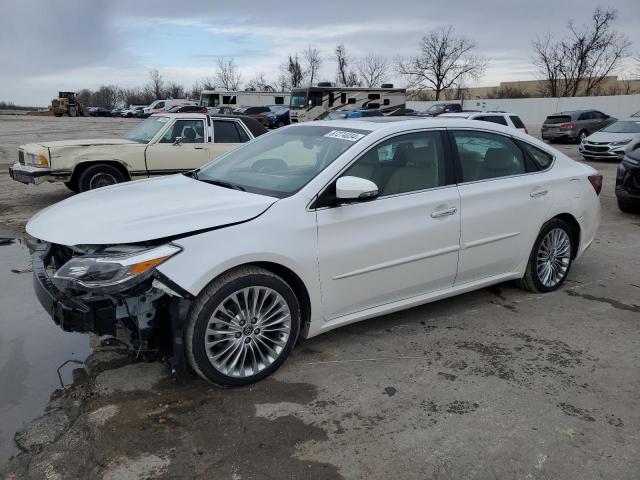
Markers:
{"x": 533, "y": 111}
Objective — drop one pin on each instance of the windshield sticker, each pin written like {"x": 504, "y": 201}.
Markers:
{"x": 163, "y": 119}
{"x": 344, "y": 135}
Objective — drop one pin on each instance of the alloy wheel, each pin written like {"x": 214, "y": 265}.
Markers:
{"x": 553, "y": 257}
{"x": 248, "y": 331}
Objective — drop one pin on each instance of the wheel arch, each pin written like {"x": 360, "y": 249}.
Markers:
{"x": 291, "y": 278}
{"x": 83, "y": 165}
{"x": 574, "y": 227}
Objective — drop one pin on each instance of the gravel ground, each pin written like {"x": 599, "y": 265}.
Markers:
{"x": 497, "y": 383}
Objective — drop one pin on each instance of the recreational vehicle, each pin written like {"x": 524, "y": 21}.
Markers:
{"x": 315, "y": 103}
{"x": 247, "y": 98}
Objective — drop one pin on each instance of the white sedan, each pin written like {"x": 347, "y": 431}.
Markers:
{"x": 309, "y": 228}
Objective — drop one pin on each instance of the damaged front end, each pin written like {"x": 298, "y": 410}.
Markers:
{"x": 114, "y": 291}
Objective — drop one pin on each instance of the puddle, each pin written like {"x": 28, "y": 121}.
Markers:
{"x": 31, "y": 348}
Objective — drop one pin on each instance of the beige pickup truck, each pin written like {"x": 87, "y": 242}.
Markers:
{"x": 162, "y": 144}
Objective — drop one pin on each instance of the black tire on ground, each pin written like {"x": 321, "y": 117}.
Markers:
{"x": 72, "y": 185}
{"x": 531, "y": 280}
{"x": 58, "y": 114}
{"x": 627, "y": 207}
{"x": 99, "y": 175}
{"x": 204, "y": 307}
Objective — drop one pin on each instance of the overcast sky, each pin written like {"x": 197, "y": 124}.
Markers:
{"x": 48, "y": 45}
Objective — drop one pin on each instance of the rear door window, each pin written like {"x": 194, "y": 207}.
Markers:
{"x": 542, "y": 159}
{"x": 227, "y": 131}
{"x": 516, "y": 121}
{"x": 484, "y": 156}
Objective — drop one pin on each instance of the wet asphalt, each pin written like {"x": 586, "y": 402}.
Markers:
{"x": 32, "y": 347}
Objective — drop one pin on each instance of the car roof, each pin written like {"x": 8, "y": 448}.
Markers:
{"x": 398, "y": 124}
{"x": 479, "y": 112}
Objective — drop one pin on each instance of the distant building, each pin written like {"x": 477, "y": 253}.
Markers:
{"x": 611, "y": 85}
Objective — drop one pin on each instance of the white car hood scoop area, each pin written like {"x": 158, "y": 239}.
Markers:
{"x": 143, "y": 211}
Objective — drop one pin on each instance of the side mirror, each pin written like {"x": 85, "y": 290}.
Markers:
{"x": 355, "y": 188}
{"x": 177, "y": 141}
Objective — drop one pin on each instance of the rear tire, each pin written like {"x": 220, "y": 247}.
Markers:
{"x": 550, "y": 259}
{"x": 223, "y": 341}
{"x": 99, "y": 175}
{"x": 581, "y": 136}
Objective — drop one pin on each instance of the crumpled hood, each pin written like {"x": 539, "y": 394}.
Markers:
{"x": 84, "y": 143}
{"x": 144, "y": 210}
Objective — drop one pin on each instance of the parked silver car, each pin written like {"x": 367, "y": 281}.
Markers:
{"x": 574, "y": 125}
{"x": 613, "y": 141}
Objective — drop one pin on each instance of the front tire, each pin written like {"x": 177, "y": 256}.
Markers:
{"x": 98, "y": 176}
{"x": 72, "y": 185}
{"x": 550, "y": 259}
{"x": 242, "y": 327}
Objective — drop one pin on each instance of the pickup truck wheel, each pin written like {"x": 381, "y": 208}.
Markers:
{"x": 97, "y": 176}
{"x": 242, "y": 327}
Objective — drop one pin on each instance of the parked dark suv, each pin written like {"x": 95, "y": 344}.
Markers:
{"x": 628, "y": 182}
{"x": 574, "y": 125}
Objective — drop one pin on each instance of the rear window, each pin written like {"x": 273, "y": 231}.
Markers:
{"x": 516, "y": 121}
{"x": 499, "y": 119}
{"x": 553, "y": 119}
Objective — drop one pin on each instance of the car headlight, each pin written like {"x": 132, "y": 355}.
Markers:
{"x": 37, "y": 160}
{"x": 112, "y": 270}
{"x": 621, "y": 142}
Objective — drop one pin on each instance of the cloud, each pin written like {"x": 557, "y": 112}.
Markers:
{"x": 49, "y": 45}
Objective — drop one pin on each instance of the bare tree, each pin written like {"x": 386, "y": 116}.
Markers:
{"x": 445, "y": 60}
{"x": 579, "y": 62}
{"x": 548, "y": 60}
{"x": 259, "y": 82}
{"x": 346, "y": 77}
{"x": 174, "y": 90}
{"x": 228, "y": 74}
{"x": 156, "y": 83}
{"x": 291, "y": 73}
{"x": 312, "y": 63}
{"x": 373, "y": 69}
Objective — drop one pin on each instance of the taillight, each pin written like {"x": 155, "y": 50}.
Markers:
{"x": 544, "y": 126}
{"x": 596, "y": 182}
{"x": 526, "y": 131}
{"x": 567, "y": 125}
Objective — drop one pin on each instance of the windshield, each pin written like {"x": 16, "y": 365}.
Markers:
{"x": 435, "y": 108}
{"x": 282, "y": 162}
{"x": 298, "y": 100}
{"x": 623, "y": 127}
{"x": 145, "y": 131}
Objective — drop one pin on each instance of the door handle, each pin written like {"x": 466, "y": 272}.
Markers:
{"x": 444, "y": 213}
{"x": 538, "y": 193}
{"x": 198, "y": 148}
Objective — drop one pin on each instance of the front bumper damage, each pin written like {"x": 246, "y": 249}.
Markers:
{"x": 149, "y": 318}
{"x": 28, "y": 175}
